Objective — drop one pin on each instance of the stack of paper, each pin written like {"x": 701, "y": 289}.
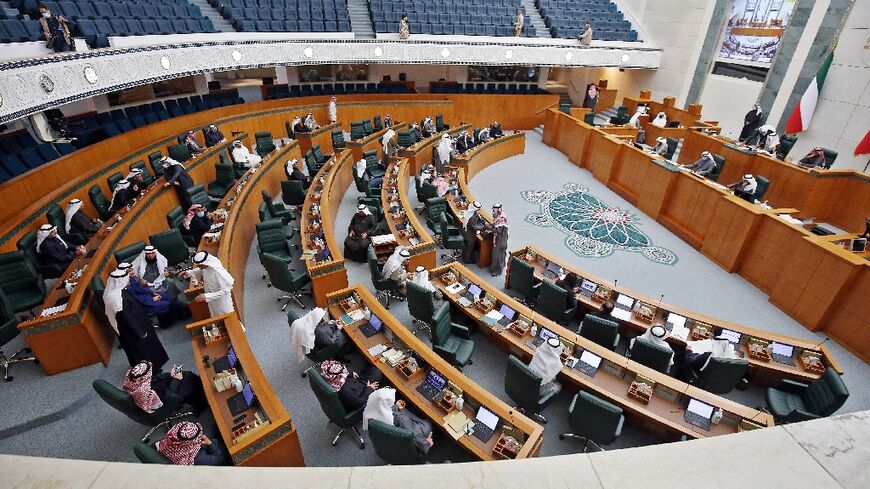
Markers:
{"x": 492, "y": 317}
{"x": 48, "y": 311}
{"x": 377, "y": 349}
{"x": 357, "y": 314}
{"x": 456, "y": 288}
{"x": 393, "y": 356}
{"x": 456, "y": 424}
{"x": 383, "y": 239}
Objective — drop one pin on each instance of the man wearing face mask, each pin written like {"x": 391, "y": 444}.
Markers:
{"x": 196, "y": 223}
{"x": 55, "y": 30}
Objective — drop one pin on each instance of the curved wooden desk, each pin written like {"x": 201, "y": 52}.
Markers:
{"x": 419, "y": 153}
{"x": 665, "y": 409}
{"x": 80, "y": 334}
{"x": 762, "y": 370}
{"x": 325, "y": 262}
{"x": 406, "y": 384}
{"x": 481, "y": 156}
{"x": 322, "y": 136}
{"x": 402, "y": 220}
{"x": 372, "y": 141}
{"x": 275, "y": 441}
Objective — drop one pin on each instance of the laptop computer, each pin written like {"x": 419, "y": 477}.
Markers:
{"x": 241, "y": 401}
{"x": 543, "y": 335}
{"x": 552, "y": 271}
{"x": 732, "y": 336}
{"x": 699, "y": 414}
{"x": 433, "y": 385}
{"x": 588, "y": 363}
{"x": 486, "y": 424}
{"x": 508, "y": 315}
{"x": 372, "y": 327}
{"x": 859, "y": 245}
{"x": 782, "y": 353}
{"x": 472, "y": 292}
{"x": 227, "y": 362}
{"x": 588, "y": 287}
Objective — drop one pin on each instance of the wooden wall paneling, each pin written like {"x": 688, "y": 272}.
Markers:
{"x": 849, "y": 322}
{"x": 733, "y": 223}
{"x": 511, "y": 111}
{"x": 601, "y": 153}
{"x": 656, "y": 187}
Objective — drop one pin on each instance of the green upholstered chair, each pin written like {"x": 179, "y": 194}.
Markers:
{"x": 57, "y": 217}
{"x": 292, "y": 192}
{"x": 175, "y": 220}
{"x": 378, "y": 123}
{"x": 761, "y": 189}
{"x": 652, "y": 355}
{"x": 154, "y": 161}
{"x": 425, "y": 191}
{"x": 277, "y": 211}
{"x": 285, "y": 280}
{"x": 522, "y": 280}
{"x": 23, "y": 286}
{"x": 367, "y": 127}
{"x": 264, "y": 142}
{"x": 238, "y": 168}
{"x": 523, "y": 386}
{"x": 224, "y": 181}
{"x": 288, "y": 126}
{"x": 113, "y": 179}
{"x": 672, "y": 147}
{"x": 830, "y": 157}
{"x": 601, "y": 331}
{"x": 27, "y": 245}
{"x": 720, "y": 165}
{"x": 451, "y": 238}
{"x": 121, "y": 401}
{"x": 171, "y": 245}
{"x": 357, "y": 131}
{"x": 8, "y": 332}
{"x": 553, "y": 303}
{"x": 421, "y": 305}
{"x": 394, "y": 445}
{"x": 199, "y": 196}
{"x": 147, "y": 454}
{"x": 373, "y": 166}
{"x": 100, "y": 203}
{"x": 179, "y": 152}
{"x": 385, "y": 288}
{"x": 786, "y": 143}
{"x": 792, "y": 401}
{"x": 404, "y": 139}
{"x": 338, "y": 139}
{"x": 272, "y": 240}
{"x": 98, "y": 288}
{"x": 720, "y": 375}
{"x": 129, "y": 253}
{"x": 147, "y": 177}
{"x": 621, "y": 116}
{"x": 439, "y": 123}
{"x": 589, "y": 118}
{"x": 311, "y": 163}
{"x": 316, "y": 356}
{"x": 565, "y": 108}
{"x": 319, "y": 156}
{"x": 450, "y": 340}
{"x": 594, "y": 420}
{"x": 331, "y": 406}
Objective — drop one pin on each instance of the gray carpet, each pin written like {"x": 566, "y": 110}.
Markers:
{"x": 61, "y": 416}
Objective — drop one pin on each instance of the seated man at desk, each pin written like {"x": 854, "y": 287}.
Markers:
{"x": 149, "y": 388}
{"x": 165, "y": 306}
{"x": 395, "y": 268}
{"x": 53, "y": 249}
{"x": 698, "y": 355}
{"x": 137, "y": 182}
{"x": 464, "y": 142}
{"x": 353, "y": 389}
{"x": 298, "y": 125}
{"x": 77, "y": 222}
{"x": 704, "y": 166}
{"x": 151, "y": 267}
{"x": 196, "y": 223}
{"x": 547, "y": 362}
{"x": 359, "y": 234}
{"x": 657, "y": 334}
{"x": 661, "y": 147}
{"x": 383, "y": 406}
{"x": 122, "y": 195}
{"x": 814, "y": 159}
{"x": 192, "y": 144}
{"x": 243, "y": 156}
{"x": 213, "y": 136}
{"x": 187, "y": 444}
{"x": 604, "y": 313}
{"x": 661, "y": 120}
{"x": 294, "y": 172}
{"x": 428, "y": 127}
{"x": 474, "y": 225}
{"x": 483, "y": 135}
{"x": 316, "y": 331}
{"x": 745, "y": 188}
{"x": 414, "y": 130}
{"x": 495, "y": 130}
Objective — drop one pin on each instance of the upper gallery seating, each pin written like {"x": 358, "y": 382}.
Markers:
{"x": 449, "y": 17}
{"x": 566, "y": 19}
{"x": 339, "y": 88}
{"x": 285, "y": 15}
{"x": 20, "y": 153}
{"x": 95, "y": 20}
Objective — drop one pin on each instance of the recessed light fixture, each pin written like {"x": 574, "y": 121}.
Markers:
{"x": 445, "y": 53}
{"x": 569, "y": 56}
{"x": 90, "y": 74}
{"x": 165, "y": 62}
{"x": 308, "y": 52}
{"x": 237, "y": 55}
{"x": 509, "y": 54}
{"x": 379, "y": 51}
{"x": 624, "y": 58}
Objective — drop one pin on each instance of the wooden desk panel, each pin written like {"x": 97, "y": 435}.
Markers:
{"x": 395, "y": 190}
{"x": 480, "y": 157}
{"x": 690, "y": 206}
{"x": 629, "y": 176}
{"x": 664, "y": 411}
{"x": 736, "y": 222}
{"x": 321, "y": 136}
{"x": 512, "y": 111}
{"x": 407, "y": 386}
{"x": 848, "y": 322}
{"x": 767, "y": 254}
{"x": 600, "y": 155}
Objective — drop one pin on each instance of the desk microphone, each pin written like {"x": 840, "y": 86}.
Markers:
{"x": 661, "y": 298}
{"x": 820, "y": 344}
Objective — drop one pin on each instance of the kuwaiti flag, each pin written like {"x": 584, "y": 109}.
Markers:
{"x": 799, "y": 120}
{"x": 864, "y": 146}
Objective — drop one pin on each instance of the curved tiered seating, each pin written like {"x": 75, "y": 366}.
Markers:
{"x": 452, "y": 17}
{"x": 566, "y": 19}
{"x": 289, "y": 16}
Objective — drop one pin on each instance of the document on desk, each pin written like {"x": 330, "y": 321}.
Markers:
{"x": 492, "y": 317}
{"x": 621, "y": 314}
{"x": 455, "y": 288}
{"x": 377, "y": 349}
{"x": 383, "y": 239}
{"x": 48, "y": 311}
{"x": 456, "y": 424}
{"x": 701, "y": 346}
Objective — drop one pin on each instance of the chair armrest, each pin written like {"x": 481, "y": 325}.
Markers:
{"x": 792, "y": 387}
{"x": 616, "y": 340}
{"x": 546, "y": 398}
{"x": 289, "y": 245}
{"x": 798, "y": 415}
{"x": 280, "y": 258}
{"x": 460, "y": 330}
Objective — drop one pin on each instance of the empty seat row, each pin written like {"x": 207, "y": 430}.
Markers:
{"x": 427, "y": 6}
{"x": 123, "y": 10}
{"x": 263, "y": 14}
{"x": 14, "y": 30}
{"x": 301, "y": 25}
{"x": 603, "y": 35}
{"x": 325, "y": 4}
{"x": 446, "y": 18}
{"x": 457, "y": 29}
{"x": 91, "y": 30}
{"x": 484, "y": 88}
{"x": 14, "y": 164}
{"x": 313, "y": 89}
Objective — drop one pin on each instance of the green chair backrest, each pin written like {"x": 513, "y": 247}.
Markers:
{"x": 171, "y": 245}
{"x": 830, "y": 156}
{"x": 522, "y": 277}
{"x": 439, "y": 122}
{"x": 672, "y": 147}
{"x": 122, "y": 402}
{"x": 154, "y": 160}
{"x": 827, "y": 394}
{"x": 378, "y": 123}
{"x": 393, "y": 444}
{"x": 292, "y": 192}
{"x": 199, "y": 196}
{"x": 279, "y": 274}
{"x": 147, "y": 177}
{"x": 129, "y": 253}
{"x": 722, "y": 374}
{"x": 8, "y": 321}
{"x": 27, "y": 245}
{"x": 179, "y": 152}
{"x": 56, "y": 217}
{"x": 357, "y": 131}
{"x": 18, "y": 275}
{"x": 338, "y": 139}
{"x": 225, "y": 176}
{"x": 522, "y": 384}
{"x": 367, "y": 126}
{"x": 435, "y": 207}
{"x": 761, "y": 189}
{"x": 440, "y": 324}
{"x": 175, "y": 217}
{"x": 289, "y": 127}
{"x": 595, "y": 418}
{"x": 786, "y": 143}
{"x": 720, "y": 165}
{"x": 652, "y": 355}
{"x": 98, "y": 288}
{"x": 601, "y": 331}
{"x": 327, "y": 396}
{"x": 552, "y": 301}
{"x": 147, "y": 454}
{"x": 271, "y": 238}
{"x": 565, "y": 107}
{"x": 113, "y": 180}
{"x": 371, "y": 157}
{"x": 264, "y": 213}
{"x": 420, "y": 302}
{"x": 318, "y": 154}
{"x": 589, "y": 118}
{"x": 404, "y": 139}
{"x": 95, "y": 194}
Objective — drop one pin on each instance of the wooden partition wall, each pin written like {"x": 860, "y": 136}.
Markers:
{"x": 817, "y": 282}
{"x": 71, "y": 176}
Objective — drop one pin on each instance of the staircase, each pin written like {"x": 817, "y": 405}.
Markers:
{"x": 360, "y": 20}
{"x": 533, "y": 18}
{"x": 604, "y": 117}
{"x": 220, "y": 24}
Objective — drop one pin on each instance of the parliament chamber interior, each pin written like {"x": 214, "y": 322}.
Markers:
{"x": 623, "y": 241}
